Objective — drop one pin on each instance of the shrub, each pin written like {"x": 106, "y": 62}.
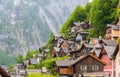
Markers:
{"x": 31, "y": 67}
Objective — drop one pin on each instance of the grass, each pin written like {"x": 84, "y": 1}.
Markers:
{"x": 39, "y": 75}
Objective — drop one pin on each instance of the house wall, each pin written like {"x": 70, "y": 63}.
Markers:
{"x": 115, "y": 33}
{"x": 108, "y": 33}
{"x": 108, "y": 67}
{"x": 118, "y": 63}
{"x": 88, "y": 65}
{"x": 66, "y": 71}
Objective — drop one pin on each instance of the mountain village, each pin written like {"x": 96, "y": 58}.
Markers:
{"x": 78, "y": 55}
{"x": 96, "y": 57}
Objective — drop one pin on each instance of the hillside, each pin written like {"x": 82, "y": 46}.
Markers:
{"x": 26, "y": 24}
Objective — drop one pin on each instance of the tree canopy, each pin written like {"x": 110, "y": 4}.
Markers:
{"x": 79, "y": 14}
{"x": 102, "y": 12}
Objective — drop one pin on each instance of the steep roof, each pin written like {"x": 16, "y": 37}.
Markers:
{"x": 4, "y": 73}
{"x": 112, "y": 26}
{"x": 64, "y": 62}
{"x": 110, "y": 42}
{"x": 70, "y": 62}
{"x": 33, "y": 61}
{"x": 89, "y": 45}
{"x": 110, "y": 50}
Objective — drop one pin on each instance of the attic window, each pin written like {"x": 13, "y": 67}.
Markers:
{"x": 83, "y": 68}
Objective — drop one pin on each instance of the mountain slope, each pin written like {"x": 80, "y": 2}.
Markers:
{"x": 26, "y": 24}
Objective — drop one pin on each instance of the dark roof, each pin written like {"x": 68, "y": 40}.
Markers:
{"x": 117, "y": 50}
{"x": 89, "y": 45}
{"x": 64, "y": 63}
{"x": 112, "y": 26}
{"x": 98, "y": 45}
{"x": 97, "y": 51}
{"x": 26, "y": 62}
{"x": 4, "y": 73}
{"x": 33, "y": 61}
{"x": 70, "y": 62}
{"x": 110, "y": 50}
{"x": 77, "y": 50}
{"x": 20, "y": 66}
{"x": 110, "y": 42}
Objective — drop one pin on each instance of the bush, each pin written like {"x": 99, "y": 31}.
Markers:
{"x": 31, "y": 67}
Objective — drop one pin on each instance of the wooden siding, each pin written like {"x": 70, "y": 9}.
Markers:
{"x": 88, "y": 65}
{"x": 115, "y": 33}
{"x": 66, "y": 71}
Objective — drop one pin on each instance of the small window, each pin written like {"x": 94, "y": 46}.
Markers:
{"x": 95, "y": 67}
{"x": 83, "y": 68}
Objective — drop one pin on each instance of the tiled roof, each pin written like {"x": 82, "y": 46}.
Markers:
{"x": 64, "y": 62}
{"x": 26, "y": 62}
{"x": 33, "y": 61}
{"x": 110, "y": 50}
{"x": 89, "y": 45}
{"x": 3, "y": 73}
{"x": 70, "y": 62}
{"x": 77, "y": 23}
{"x": 97, "y": 51}
{"x": 110, "y": 42}
{"x": 112, "y": 26}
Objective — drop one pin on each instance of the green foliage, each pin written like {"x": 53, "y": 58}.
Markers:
{"x": 102, "y": 12}
{"x": 6, "y": 60}
{"x": 118, "y": 10}
{"x": 40, "y": 75}
{"x": 30, "y": 54}
{"x": 49, "y": 62}
{"x": 49, "y": 44}
{"x": 20, "y": 59}
{"x": 118, "y": 40}
{"x": 79, "y": 14}
{"x": 31, "y": 67}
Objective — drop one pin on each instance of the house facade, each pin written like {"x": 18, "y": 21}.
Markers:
{"x": 112, "y": 32}
{"x": 117, "y": 62}
{"x": 80, "y": 66}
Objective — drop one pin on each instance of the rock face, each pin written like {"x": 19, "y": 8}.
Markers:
{"x": 26, "y": 24}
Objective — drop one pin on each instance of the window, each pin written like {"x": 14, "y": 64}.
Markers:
{"x": 83, "y": 68}
{"x": 95, "y": 67}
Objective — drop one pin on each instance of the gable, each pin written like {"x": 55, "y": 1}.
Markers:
{"x": 88, "y": 59}
{"x": 78, "y": 37}
{"x": 64, "y": 45}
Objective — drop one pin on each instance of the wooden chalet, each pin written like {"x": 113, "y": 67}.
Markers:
{"x": 84, "y": 66}
{"x": 69, "y": 46}
{"x": 3, "y": 73}
{"x": 112, "y": 32}
{"x": 57, "y": 52}
{"x": 83, "y": 50}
